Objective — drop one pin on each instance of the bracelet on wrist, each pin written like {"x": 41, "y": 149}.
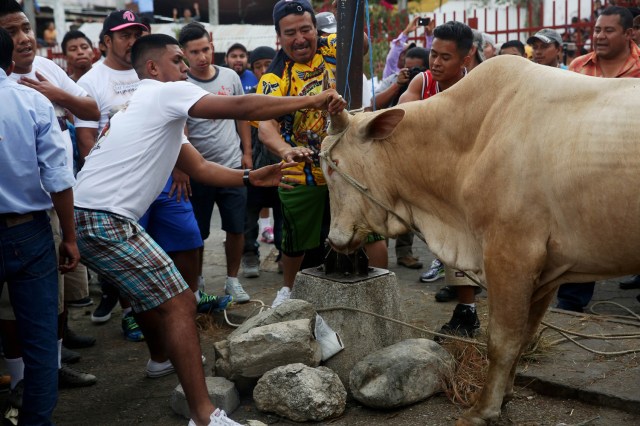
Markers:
{"x": 245, "y": 178}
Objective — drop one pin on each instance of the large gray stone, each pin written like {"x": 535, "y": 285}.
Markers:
{"x": 301, "y": 393}
{"x": 361, "y": 333}
{"x": 402, "y": 374}
{"x": 261, "y": 349}
{"x": 289, "y": 311}
{"x": 222, "y": 393}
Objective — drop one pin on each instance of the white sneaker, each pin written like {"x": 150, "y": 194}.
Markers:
{"x": 161, "y": 369}
{"x": 218, "y": 418}
{"x": 283, "y": 295}
{"x": 233, "y": 288}
{"x": 250, "y": 265}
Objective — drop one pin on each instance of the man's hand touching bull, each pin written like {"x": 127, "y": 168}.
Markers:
{"x": 331, "y": 100}
{"x": 269, "y": 131}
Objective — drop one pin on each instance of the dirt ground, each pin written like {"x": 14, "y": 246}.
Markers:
{"x": 125, "y": 396}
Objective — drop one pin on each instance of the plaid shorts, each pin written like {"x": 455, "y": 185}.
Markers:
{"x": 126, "y": 256}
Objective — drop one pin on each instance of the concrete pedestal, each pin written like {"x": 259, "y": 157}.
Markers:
{"x": 361, "y": 333}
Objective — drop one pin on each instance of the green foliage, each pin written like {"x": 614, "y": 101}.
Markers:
{"x": 385, "y": 26}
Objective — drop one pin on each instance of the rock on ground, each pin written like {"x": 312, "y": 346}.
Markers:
{"x": 292, "y": 309}
{"x": 261, "y": 349}
{"x": 401, "y": 374}
{"x": 301, "y": 393}
{"x": 222, "y": 393}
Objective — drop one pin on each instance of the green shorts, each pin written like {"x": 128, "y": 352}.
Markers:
{"x": 305, "y": 214}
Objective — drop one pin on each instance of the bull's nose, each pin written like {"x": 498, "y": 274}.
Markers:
{"x": 337, "y": 246}
{"x": 342, "y": 242}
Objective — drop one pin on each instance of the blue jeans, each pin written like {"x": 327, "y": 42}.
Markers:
{"x": 28, "y": 265}
{"x": 575, "y": 296}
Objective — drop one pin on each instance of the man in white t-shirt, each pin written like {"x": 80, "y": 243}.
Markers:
{"x": 170, "y": 219}
{"x": 127, "y": 169}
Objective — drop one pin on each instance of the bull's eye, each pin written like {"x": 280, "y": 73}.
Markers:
{"x": 330, "y": 169}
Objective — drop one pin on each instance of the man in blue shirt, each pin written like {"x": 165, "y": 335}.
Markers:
{"x": 33, "y": 174}
{"x": 237, "y": 59}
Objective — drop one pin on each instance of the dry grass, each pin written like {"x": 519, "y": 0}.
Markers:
{"x": 471, "y": 365}
{"x": 469, "y": 373}
{"x": 208, "y": 323}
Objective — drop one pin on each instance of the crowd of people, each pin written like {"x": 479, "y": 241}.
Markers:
{"x": 122, "y": 158}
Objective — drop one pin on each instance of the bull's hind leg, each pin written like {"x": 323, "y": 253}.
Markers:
{"x": 510, "y": 272}
{"x": 536, "y": 313}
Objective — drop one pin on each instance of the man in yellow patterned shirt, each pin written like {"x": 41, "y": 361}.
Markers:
{"x": 298, "y": 70}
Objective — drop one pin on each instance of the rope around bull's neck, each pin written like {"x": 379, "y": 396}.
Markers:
{"x": 326, "y": 155}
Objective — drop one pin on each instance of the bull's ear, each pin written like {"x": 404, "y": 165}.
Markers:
{"x": 338, "y": 122}
{"x": 381, "y": 125}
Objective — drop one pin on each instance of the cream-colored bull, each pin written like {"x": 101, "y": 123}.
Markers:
{"x": 526, "y": 175}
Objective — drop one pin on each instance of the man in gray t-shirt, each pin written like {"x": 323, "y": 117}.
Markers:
{"x": 226, "y": 142}
{"x": 218, "y": 140}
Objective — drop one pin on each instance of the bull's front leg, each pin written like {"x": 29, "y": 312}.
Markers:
{"x": 510, "y": 277}
{"x": 536, "y": 313}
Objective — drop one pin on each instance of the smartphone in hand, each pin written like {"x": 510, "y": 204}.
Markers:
{"x": 423, "y": 22}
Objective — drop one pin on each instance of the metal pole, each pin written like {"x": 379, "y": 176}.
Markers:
{"x": 350, "y": 25}
{"x": 214, "y": 18}
{"x": 28, "y": 9}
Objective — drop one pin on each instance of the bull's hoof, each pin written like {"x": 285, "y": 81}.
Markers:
{"x": 507, "y": 398}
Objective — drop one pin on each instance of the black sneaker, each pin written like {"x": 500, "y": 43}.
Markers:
{"x": 72, "y": 340}
{"x": 70, "y": 378}
{"x": 446, "y": 294}
{"x": 464, "y": 322}
{"x": 630, "y": 283}
{"x": 108, "y": 301}
{"x": 15, "y": 395}
{"x": 80, "y": 303}
{"x": 69, "y": 356}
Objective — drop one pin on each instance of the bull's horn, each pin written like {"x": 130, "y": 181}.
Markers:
{"x": 339, "y": 122}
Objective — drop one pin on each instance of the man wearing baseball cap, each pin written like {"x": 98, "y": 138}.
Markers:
{"x": 298, "y": 70}
{"x": 111, "y": 82}
{"x": 547, "y": 48}
{"x": 327, "y": 23}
